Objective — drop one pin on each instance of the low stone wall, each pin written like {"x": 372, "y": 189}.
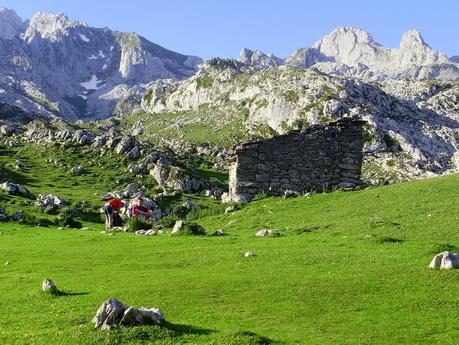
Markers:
{"x": 316, "y": 159}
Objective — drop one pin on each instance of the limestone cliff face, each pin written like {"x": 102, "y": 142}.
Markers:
{"x": 412, "y": 122}
{"x": 56, "y": 66}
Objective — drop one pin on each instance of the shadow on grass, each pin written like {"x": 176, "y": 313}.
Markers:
{"x": 185, "y": 329}
{"x": 65, "y": 293}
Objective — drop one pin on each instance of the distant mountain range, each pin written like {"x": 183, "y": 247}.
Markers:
{"x": 53, "y": 66}
{"x": 352, "y": 52}
{"x": 56, "y": 66}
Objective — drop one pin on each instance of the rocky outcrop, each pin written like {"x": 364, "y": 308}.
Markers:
{"x": 177, "y": 178}
{"x": 259, "y": 59}
{"x": 49, "y": 201}
{"x": 15, "y": 189}
{"x": 411, "y": 125}
{"x": 11, "y": 24}
{"x": 115, "y": 313}
{"x": 88, "y": 72}
{"x": 445, "y": 261}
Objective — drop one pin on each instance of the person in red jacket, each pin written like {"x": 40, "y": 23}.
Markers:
{"x": 112, "y": 210}
{"x": 140, "y": 211}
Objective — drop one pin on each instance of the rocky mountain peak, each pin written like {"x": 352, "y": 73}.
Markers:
{"x": 10, "y": 23}
{"x": 50, "y": 26}
{"x": 258, "y": 58}
{"x": 348, "y": 45}
{"x": 413, "y": 49}
{"x": 345, "y": 35}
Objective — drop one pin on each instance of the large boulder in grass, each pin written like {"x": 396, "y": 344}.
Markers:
{"x": 445, "y": 261}
{"x": 115, "y": 313}
{"x": 15, "y": 189}
{"x": 48, "y": 286}
{"x": 182, "y": 227}
{"x": 49, "y": 201}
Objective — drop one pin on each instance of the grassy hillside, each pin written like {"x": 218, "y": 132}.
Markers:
{"x": 348, "y": 268}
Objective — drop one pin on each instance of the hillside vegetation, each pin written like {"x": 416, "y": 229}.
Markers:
{"x": 347, "y": 268}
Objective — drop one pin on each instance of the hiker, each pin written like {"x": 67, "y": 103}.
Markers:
{"x": 112, "y": 210}
{"x": 140, "y": 211}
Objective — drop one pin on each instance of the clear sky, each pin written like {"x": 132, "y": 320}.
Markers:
{"x": 222, "y": 27}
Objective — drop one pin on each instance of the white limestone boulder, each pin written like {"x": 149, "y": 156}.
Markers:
{"x": 445, "y": 261}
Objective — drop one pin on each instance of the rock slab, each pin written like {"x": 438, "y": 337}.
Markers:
{"x": 113, "y": 312}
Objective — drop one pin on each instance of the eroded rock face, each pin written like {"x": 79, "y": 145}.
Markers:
{"x": 445, "y": 261}
{"x": 177, "y": 179}
{"x": 49, "y": 201}
{"x": 113, "y": 312}
{"x": 15, "y": 189}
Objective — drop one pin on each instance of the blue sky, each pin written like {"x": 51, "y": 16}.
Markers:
{"x": 222, "y": 27}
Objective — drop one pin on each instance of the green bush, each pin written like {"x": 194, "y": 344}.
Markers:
{"x": 190, "y": 228}
{"x": 168, "y": 221}
{"x": 35, "y": 221}
{"x": 134, "y": 224}
{"x": 66, "y": 220}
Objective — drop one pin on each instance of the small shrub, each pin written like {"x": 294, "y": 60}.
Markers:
{"x": 204, "y": 82}
{"x": 260, "y": 196}
{"x": 35, "y": 221}
{"x": 390, "y": 163}
{"x": 444, "y": 247}
{"x": 134, "y": 224}
{"x": 291, "y": 96}
{"x": 66, "y": 220}
{"x": 392, "y": 144}
{"x": 168, "y": 221}
{"x": 190, "y": 228}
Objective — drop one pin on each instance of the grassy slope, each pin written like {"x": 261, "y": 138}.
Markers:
{"x": 350, "y": 268}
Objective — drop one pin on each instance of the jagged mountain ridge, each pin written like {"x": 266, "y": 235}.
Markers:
{"x": 412, "y": 129}
{"x": 352, "y": 52}
{"x": 56, "y": 66}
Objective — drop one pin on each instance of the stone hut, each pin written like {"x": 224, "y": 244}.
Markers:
{"x": 318, "y": 158}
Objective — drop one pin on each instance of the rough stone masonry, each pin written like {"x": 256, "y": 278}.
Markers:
{"x": 316, "y": 159}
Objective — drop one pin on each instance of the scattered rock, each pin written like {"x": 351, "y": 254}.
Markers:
{"x": 48, "y": 286}
{"x": 113, "y": 312}
{"x": 267, "y": 233}
{"x": 151, "y": 232}
{"x": 7, "y": 129}
{"x": 230, "y": 209}
{"x": 140, "y": 232}
{"x": 247, "y": 254}
{"x": 49, "y": 201}
{"x": 182, "y": 227}
{"x": 137, "y": 169}
{"x": 218, "y": 232}
{"x": 77, "y": 170}
{"x": 7, "y": 263}
{"x": 18, "y": 216}
{"x": 15, "y": 189}
{"x": 3, "y": 215}
{"x": 190, "y": 205}
{"x": 445, "y": 261}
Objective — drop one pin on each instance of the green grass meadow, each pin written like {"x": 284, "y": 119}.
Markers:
{"x": 348, "y": 268}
